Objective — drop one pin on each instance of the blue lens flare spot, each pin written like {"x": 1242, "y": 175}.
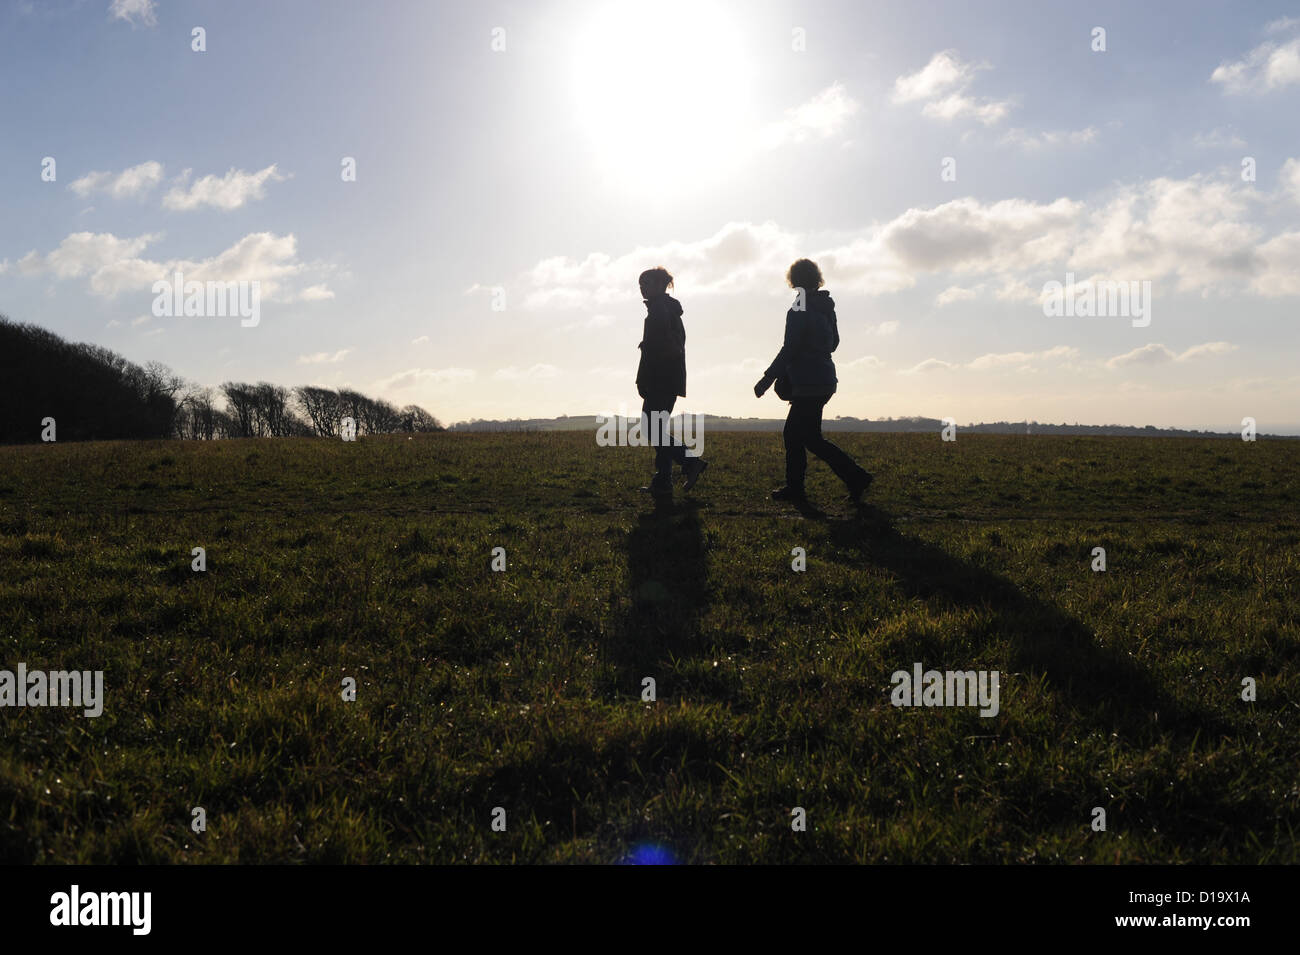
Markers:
{"x": 650, "y": 853}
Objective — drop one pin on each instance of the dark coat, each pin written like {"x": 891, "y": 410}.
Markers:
{"x": 662, "y": 371}
{"x": 805, "y": 358}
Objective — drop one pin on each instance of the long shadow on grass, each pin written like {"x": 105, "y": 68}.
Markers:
{"x": 568, "y": 779}
{"x": 1105, "y": 688}
{"x": 1103, "y": 685}
{"x": 667, "y": 593}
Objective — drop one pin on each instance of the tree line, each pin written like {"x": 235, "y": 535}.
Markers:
{"x": 94, "y": 393}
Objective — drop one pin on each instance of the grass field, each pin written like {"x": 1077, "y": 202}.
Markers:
{"x": 522, "y": 689}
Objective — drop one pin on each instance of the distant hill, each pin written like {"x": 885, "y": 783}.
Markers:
{"x": 901, "y": 425}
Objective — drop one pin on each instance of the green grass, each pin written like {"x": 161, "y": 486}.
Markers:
{"x": 523, "y": 689}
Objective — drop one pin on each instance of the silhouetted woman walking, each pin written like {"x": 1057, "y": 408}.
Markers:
{"x": 804, "y": 375}
{"x": 661, "y": 379}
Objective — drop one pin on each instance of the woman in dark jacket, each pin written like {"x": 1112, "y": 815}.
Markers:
{"x": 661, "y": 379}
{"x": 805, "y": 375}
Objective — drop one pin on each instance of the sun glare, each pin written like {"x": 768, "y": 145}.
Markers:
{"x": 662, "y": 92}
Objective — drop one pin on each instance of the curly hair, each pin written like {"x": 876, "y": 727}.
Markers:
{"x": 804, "y": 274}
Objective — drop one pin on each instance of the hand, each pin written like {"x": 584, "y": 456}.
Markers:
{"x": 763, "y": 384}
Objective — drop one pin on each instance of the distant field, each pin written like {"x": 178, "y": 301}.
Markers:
{"x": 522, "y": 689}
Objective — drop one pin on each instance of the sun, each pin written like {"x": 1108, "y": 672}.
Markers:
{"x": 662, "y": 92}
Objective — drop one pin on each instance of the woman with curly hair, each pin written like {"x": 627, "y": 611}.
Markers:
{"x": 804, "y": 375}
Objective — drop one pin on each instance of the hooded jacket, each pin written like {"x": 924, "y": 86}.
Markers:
{"x": 805, "y": 358}
{"x": 662, "y": 370}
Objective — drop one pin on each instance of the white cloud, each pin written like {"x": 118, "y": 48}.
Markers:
{"x": 533, "y": 372}
{"x": 942, "y": 85}
{"x": 1150, "y": 354}
{"x": 884, "y": 329}
{"x": 1280, "y": 274}
{"x": 135, "y": 181}
{"x": 416, "y": 377}
{"x": 1048, "y": 138}
{"x": 226, "y": 192}
{"x": 957, "y": 105}
{"x": 821, "y": 117}
{"x": 1014, "y": 290}
{"x": 422, "y": 340}
{"x": 866, "y": 361}
{"x": 1027, "y": 360}
{"x": 142, "y": 320}
{"x": 1157, "y": 354}
{"x": 1196, "y": 230}
{"x": 316, "y": 293}
{"x": 1209, "y": 348}
{"x": 740, "y": 257}
{"x": 1218, "y": 138}
{"x": 945, "y": 71}
{"x": 87, "y": 253}
{"x": 1291, "y": 178}
{"x": 955, "y": 293}
{"x": 736, "y": 258}
{"x": 115, "y": 265}
{"x": 1000, "y": 359}
{"x": 324, "y": 357}
{"x": 930, "y": 364}
{"x": 1005, "y": 358}
{"x": 1268, "y": 67}
{"x": 965, "y": 235}
{"x": 134, "y": 11}
{"x": 1200, "y": 232}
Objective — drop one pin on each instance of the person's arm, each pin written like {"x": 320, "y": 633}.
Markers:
{"x": 782, "y": 357}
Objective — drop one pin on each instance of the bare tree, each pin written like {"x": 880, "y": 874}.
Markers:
{"x": 224, "y": 425}
{"x": 416, "y": 419}
{"x": 272, "y": 402}
{"x": 378, "y": 416}
{"x": 350, "y": 403}
{"x": 196, "y": 418}
{"x": 241, "y": 405}
{"x": 321, "y": 406}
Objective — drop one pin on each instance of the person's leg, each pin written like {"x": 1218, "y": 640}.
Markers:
{"x": 673, "y": 449}
{"x": 655, "y": 426}
{"x": 845, "y": 468}
{"x": 797, "y": 424}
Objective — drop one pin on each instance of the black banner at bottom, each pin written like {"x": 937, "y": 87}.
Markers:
{"x": 303, "y": 904}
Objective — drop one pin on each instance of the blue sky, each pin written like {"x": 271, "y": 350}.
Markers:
{"x": 484, "y": 261}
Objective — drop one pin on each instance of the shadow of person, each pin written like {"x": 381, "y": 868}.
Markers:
{"x": 666, "y": 596}
{"x": 810, "y": 510}
{"x": 1102, "y": 685}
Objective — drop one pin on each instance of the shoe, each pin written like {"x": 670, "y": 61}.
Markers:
{"x": 693, "y": 467}
{"x": 858, "y": 487}
{"x": 788, "y": 494}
